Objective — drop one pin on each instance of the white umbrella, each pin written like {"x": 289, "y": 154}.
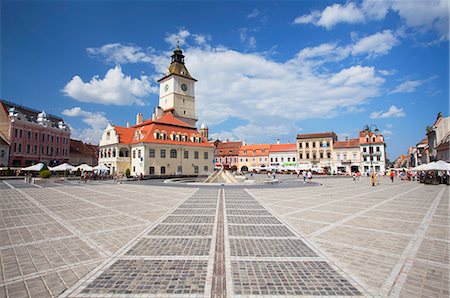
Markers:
{"x": 62, "y": 167}
{"x": 84, "y": 167}
{"x": 437, "y": 166}
{"x": 419, "y": 167}
{"x": 101, "y": 168}
{"x": 36, "y": 167}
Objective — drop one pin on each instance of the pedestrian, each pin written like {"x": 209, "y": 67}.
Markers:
{"x": 358, "y": 176}
{"x": 354, "y": 177}
{"x": 309, "y": 176}
{"x": 305, "y": 175}
{"x": 392, "y": 174}
{"x": 372, "y": 178}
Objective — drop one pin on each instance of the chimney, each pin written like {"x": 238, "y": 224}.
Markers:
{"x": 138, "y": 118}
{"x": 278, "y": 141}
{"x": 128, "y": 124}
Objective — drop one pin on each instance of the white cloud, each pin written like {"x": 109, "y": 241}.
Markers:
{"x": 332, "y": 15}
{"x": 246, "y": 37}
{"x": 375, "y": 45}
{"x": 96, "y": 122}
{"x": 180, "y": 37}
{"x": 386, "y": 72}
{"x": 389, "y": 125}
{"x": 272, "y": 95}
{"x": 418, "y": 14}
{"x": 393, "y": 112}
{"x": 115, "y": 88}
{"x": 336, "y": 13}
{"x": 386, "y": 132}
{"x": 411, "y": 85}
{"x": 118, "y": 53}
{"x": 408, "y": 86}
{"x": 424, "y": 15}
{"x": 254, "y": 14}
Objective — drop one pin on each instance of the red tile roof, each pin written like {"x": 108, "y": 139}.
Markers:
{"x": 226, "y": 145}
{"x": 317, "y": 135}
{"x": 351, "y": 143}
{"x": 167, "y": 124}
{"x": 254, "y": 150}
{"x": 378, "y": 138}
{"x": 283, "y": 147}
{"x": 228, "y": 148}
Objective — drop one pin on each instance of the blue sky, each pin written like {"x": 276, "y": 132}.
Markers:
{"x": 266, "y": 70}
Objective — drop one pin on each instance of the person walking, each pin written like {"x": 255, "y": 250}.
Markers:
{"x": 372, "y": 178}
{"x": 358, "y": 176}
{"x": 305, "y": 175}
{"x": 309, "y": 176}
{"x": 392, "y": 174}
{"x": 354, "y": 177}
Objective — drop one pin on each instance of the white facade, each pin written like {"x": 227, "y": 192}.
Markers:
{"x": 283, "y": 160}
{"x": 346, "y": 160}
{"x": 378, "y": 153}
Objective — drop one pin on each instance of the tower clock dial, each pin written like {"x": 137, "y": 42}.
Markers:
{"x": 184, "y": 87}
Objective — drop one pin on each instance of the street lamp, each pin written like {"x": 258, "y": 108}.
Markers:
{"x": 368, "y": 131}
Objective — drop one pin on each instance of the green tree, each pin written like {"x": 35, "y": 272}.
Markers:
{"x": 127, "y": 173}
{"x": 45, "y": 174}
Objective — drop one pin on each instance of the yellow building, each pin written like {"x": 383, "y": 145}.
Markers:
{"x": 315, "y": 151}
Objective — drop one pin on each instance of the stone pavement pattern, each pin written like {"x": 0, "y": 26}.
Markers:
{"x": 389, "y": 240}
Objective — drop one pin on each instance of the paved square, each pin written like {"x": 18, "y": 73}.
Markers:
{"x": 337, "y": 239}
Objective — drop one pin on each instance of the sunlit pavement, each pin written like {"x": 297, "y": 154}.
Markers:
{"x": 338, "y": 239}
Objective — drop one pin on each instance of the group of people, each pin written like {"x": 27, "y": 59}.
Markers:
{"x": 356, "y": 176}
{"x": 307, "y": 176}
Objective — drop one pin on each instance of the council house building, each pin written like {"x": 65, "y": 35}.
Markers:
{"x": 166, "y": 144}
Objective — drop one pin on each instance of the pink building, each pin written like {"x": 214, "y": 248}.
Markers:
{"x": 33, "y": 136}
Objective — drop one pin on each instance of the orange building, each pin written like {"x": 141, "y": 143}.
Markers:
{"x": 253, "y": 157}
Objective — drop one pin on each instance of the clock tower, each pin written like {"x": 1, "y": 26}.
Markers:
{"x": 177, "y": 90}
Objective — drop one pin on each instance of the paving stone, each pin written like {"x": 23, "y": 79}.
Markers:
{"x": 189, "y": 219}
{"x": 289, "y": 278}
{"x": 259, "y": 231}
{"x": 248, "y": 212}
{"x": 151, "y": 277}
{"x": 182, "y": 230}
{"x": 181, "y": 211}
{"x": 254, "y": 220}
{"x": 171, "y": 246}
{"x": 270, "y": 248}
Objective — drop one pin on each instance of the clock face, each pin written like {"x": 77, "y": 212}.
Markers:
{"x": 184, "y": 87}
{"x": 166, "y": 87}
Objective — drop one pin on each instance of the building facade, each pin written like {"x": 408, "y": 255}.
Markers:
{"x": 254, "y": 157}
{"x": 283, "y": 157}
{"x": 83, "y": 153}
{"x": 227, "y": 154}
{"x": 33, "y": 136}
{"x": 438, "y": 139}
{"x": 168, "y": 143}
{"x": 346, "y": 157}
{"x": 373, "y": 152}
{"x": 315, "y": 151}
{"x": 4, "y": 152}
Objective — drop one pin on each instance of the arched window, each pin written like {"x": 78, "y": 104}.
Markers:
{"x": 205, "y": 169}
{"x": 173, "y": 153}
{"x": 180, "y": 170}
{"x": 114, "y": 152}
{"x": 196, "y": 169}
